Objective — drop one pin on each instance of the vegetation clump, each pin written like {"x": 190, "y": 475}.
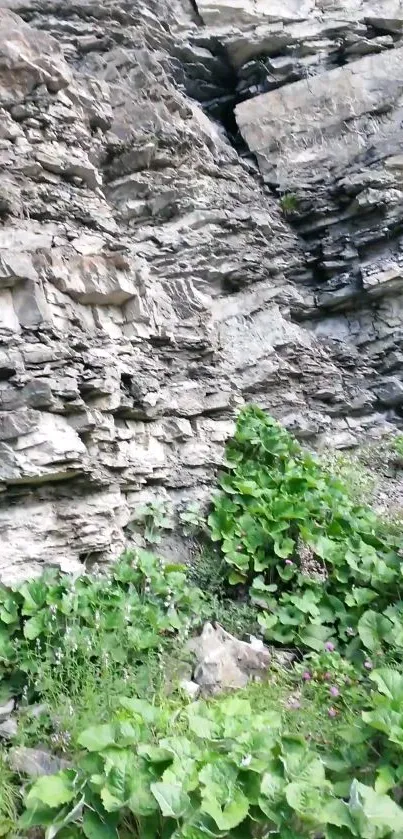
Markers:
{"x": 320, "y": 566}
{"x": 315, "y": 751}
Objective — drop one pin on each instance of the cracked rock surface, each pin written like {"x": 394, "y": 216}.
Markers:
{"x": 162, "y": 261}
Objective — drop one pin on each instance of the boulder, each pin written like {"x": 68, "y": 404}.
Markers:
{"x": 225, "y": 663}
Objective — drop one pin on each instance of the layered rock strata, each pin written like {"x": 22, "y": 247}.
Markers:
{"x": 161, "y": 264}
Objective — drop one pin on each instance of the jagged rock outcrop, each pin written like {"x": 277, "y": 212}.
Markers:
{"x": 151, "y": 279}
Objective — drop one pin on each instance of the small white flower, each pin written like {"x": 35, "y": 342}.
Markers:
{"x": 246, "y": 760}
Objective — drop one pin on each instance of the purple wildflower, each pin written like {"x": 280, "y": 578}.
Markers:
{"x": 334, "y": 691}
{"x": 289, "y": 562}
{"x": 332, "y": 712}
{"x": 327, "y": 676}
{"x": 330, "y": 646}
{"x": 368, "y": 664}
{"x": 306, "y": 676}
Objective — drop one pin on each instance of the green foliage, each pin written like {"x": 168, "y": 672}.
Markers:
{"x": 208, "y": 572}
{"x": 9, "y": 799}
{"x": 77, "y": 645}
{"x": 398, "y": 444}
{"x": 155, "y": 517}
{"x": 316, "y": 751}
{"x": 221, "y": 771}
{"x": 320, "y": 566}
{"x": 353, "y": 471}
{"x": 289, "y": 203}
{"x": 192, "y": 519}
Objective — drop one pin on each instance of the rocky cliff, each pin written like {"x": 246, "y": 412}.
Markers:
{"x": 201, "y": 203}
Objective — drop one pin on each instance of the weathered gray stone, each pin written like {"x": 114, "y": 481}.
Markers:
{"x": 8, "y": 729}
{"x": 224, "y": 662}
{"x": 191, "y": 689}
{"x": 35, "y": 762}
{"x": 6, "y": 710}
{"x": 390, "y": 391}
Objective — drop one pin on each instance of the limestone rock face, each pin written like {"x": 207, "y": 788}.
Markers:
{"x": 156, "y": 272}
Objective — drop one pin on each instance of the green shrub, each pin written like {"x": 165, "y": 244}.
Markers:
{"x": 78, "y": 645}
{"x": 322, "y": 567}
{"x": 289, "y": 203}
{"x": 221, "y": 771}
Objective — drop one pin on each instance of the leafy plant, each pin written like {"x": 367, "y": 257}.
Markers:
{"x": 155, "y": 517}
{"x": 289, "y": 203}
{"x": 79, "y": 644}
{"x": 319, "y": 565}
{"x": 192, "y": 519}
{"x": 225, "y": 773}
{"x": 398, "y": 444}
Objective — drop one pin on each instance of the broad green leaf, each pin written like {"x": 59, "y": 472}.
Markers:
{"x": 172, "y": 800}
{"x": 284, "y": 547}
{"x": 272, "y": 786}
{"x": 201, "y": 725}
{"x": 6, "y": 647}
{"x": 97, "y": 737}
{"x": 34, "y": 594}
{"x": 52, "y": 790}
{"x": 34, "y": 627}
{"x": 379, "y": 810}
{"x": 372, "y": 629}
{"x": 155, "y": 754}
{"x": 127, "y": 783}
{"x": 36, "y": 815}
{"x": 304, "y": 798}
{"x": 385, "y": 779}
{"x": 96, "y": 828}
{"x": 267, "y": 621}
{"x": 62, "y": 823}
{"x": 315, "y": 636}
{"x": 231, "y": 814}
{"x": 389, "y": 682}
{"x": 360, "y": 596}
{"x": 336, "y": 812}
{"x": 324, "y": 547}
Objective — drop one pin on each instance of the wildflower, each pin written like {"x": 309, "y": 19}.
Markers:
{"x": 58, "y": 656}
{"x": 368, "y": 664}
{"x": 289, "y": 562}
{"x": 246, "y": 760}
{"x": 332, "y": 712}
{"x": 329, "y": 646}
{"x": 327, "y": 676}
{"x": 306, "y": 676}
{"x": 350, "y": 630}
{"x": 334, "y": 691}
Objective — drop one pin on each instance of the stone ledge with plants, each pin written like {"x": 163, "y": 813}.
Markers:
{"x": 94, "y": 671}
